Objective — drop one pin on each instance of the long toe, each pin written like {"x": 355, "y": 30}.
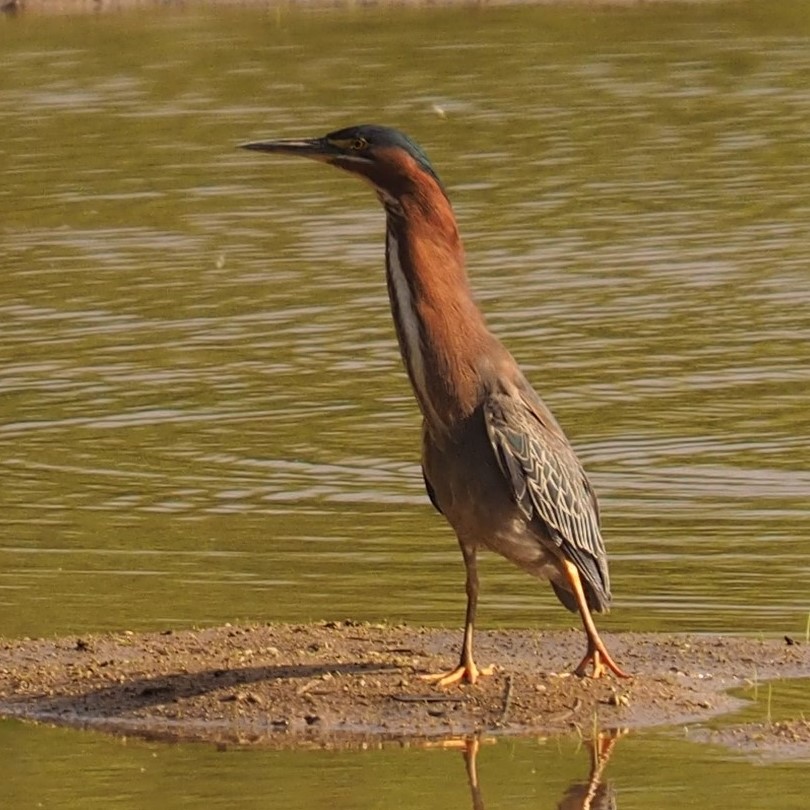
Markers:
{"x": 463, "y": 673}
{"x": 591, "y": 659}
{"x": 600, "y": 662}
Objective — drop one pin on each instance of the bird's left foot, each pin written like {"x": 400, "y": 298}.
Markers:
{"x": 463, "y": 673}
{"x": 601, "y": 662}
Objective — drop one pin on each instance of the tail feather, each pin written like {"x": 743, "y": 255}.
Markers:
{"x": 598, "y": 603}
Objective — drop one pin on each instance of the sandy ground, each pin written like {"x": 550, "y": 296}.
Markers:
{"x": 348, "y": 683}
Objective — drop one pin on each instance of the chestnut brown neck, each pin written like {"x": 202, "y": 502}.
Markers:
{"x": 442, "y": 333}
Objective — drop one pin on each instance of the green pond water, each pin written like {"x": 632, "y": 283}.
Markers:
{"x": 60, "y": 768}
{"x": 203, "y": 416}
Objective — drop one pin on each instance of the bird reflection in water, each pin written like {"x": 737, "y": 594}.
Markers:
{"x": 591, "y": 794}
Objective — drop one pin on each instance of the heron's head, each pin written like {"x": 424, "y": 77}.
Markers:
{"x": 385, "y": 157}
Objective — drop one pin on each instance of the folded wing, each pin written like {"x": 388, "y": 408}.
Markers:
{"x": 549, "y": 485}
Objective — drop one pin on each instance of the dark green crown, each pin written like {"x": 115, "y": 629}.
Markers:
{"x": 380, "y": 136}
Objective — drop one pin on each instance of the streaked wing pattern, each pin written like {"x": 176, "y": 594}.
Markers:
{"x": 549, "y": 483}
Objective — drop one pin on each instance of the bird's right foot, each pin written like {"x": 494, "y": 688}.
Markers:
{"x": 599, "y": 659}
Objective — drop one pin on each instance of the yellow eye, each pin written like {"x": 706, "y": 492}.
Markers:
{"x": 358, "y": 144}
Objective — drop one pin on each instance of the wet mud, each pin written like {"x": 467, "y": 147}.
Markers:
{"x": 358, "y": 684}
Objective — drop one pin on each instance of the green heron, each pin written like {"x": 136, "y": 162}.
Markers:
{"x": 495, "y": 462}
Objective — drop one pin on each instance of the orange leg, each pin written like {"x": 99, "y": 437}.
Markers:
{"x": 466, "y": 669}
{"x": 596, "y": 792}
{"x": 597, "y": 653}
{"x": 471, "y": 764}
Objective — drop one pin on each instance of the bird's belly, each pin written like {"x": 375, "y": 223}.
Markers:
{"x": 472, "y": 495}
{"x": 518, "y": 541}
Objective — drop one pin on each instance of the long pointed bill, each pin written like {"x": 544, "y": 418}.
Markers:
{"x": 313, "y": 148}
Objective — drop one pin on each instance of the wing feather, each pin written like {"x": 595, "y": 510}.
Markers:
{"x": 548, "y": 482}
{"x": 431, "y": 492}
